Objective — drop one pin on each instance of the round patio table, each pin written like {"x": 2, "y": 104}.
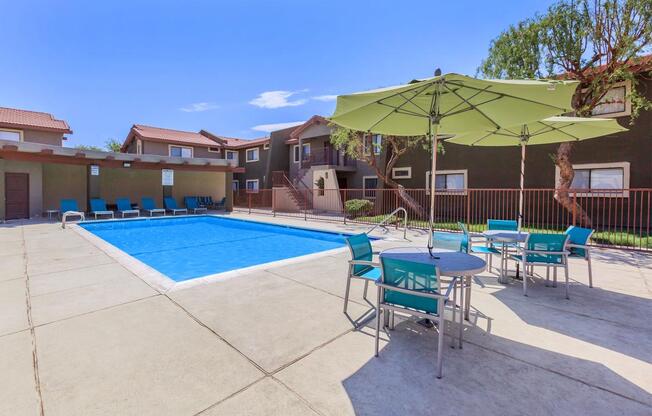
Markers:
{"x": 505, "y": 237}
{"x": 450, "y": 264}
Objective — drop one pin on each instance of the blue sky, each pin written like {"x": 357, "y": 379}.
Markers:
{"x": 228, "y": 66}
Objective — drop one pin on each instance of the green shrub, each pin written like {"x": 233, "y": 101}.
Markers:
{"x": 358, "y": 206}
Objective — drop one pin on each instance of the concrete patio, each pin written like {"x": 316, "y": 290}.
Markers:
{"x": 82, "y": 335}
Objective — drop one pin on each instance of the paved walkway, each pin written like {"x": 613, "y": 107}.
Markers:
{"x": 81, "y": 335}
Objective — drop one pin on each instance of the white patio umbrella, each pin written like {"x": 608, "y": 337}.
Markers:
{"x": 547, "y": 131}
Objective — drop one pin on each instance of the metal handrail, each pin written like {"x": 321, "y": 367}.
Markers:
{"x": 388, "y": 216}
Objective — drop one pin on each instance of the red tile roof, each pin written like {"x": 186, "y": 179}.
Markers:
{"x": 233, "y": 143}
{"x": 15, "y": 118}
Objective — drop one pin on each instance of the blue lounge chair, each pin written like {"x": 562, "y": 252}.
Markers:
{"x": 578, "y": 240}
{"x": 148, "y": 205}
{"x": 124, "y": 207}
{"x": 171, "y": 205}
{"x": 193, "y": 205}
{"x": 98, "y": 207}
{"x": 414, "y": 289}
{"x": 69, "y": 208}
{"x": 547, "y": 250}
{"x": 361, "y": 265}
{"x": 221, "y": 204}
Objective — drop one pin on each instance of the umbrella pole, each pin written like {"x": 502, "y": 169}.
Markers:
{"x": 433, "y": 170}
{"x": 520, "y": 193}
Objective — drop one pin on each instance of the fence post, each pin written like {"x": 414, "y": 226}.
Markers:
{"x": 249, "y": 201}
{"x": 344, "y": 207}
{"x": 468, "y": 207}
{"x": 574, "y": 208}
{"x": 305, "y": 206}
{"x": 273, "y": 201}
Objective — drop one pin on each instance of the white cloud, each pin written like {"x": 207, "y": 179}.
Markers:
{"x": 325, "y": 97}
{"x": 278, "y": 99}
{"x": 268, "y": 128}
{"x": 199, "y": 107}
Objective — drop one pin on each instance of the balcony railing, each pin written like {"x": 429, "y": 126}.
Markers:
{"x": 327, "y": 156}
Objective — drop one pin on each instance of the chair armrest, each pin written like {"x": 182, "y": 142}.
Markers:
{"x": 364, "y": 263}
{"x": 585, "y": 247}
{"x": 432, "y": 295}
{"x": 558, "y": 253}
{"x": 375, "y": 252}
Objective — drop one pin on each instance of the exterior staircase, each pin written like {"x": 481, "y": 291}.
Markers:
{"x": 298, "y": 191}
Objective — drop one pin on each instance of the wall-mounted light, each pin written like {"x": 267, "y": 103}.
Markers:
{"x": 126, "y": 164}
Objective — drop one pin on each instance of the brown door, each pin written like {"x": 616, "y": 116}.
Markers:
{"x": 16, "y": 195}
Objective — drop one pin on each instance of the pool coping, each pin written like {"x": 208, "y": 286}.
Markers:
{"x": 164, "y": 284}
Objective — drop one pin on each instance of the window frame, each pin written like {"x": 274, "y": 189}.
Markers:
{"x": 213, "y": 151}
{"x": 463, "y": 172}
{"x": 237, "y": 185}
{"x": 252, "y": 191}
{"x": 616, "y": 193}
{"x": 628, "y": 103}
{"x": 237, "y": 155}
{"x": 257, "y": 149}
{"x": 305, "y": 145}
{"x": 21, "y": 137}
{"x": 192, "y": 151}
{"x": 265, "y": 146}
{"x": 296, "y": 154}
{"x": 139, "y": 147}
{"x": 364, "y": 187}
{"x": 378, "y": 148}
{"x": 409, "y": 172}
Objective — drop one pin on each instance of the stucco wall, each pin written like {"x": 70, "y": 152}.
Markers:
{"x": 63, "y": 182}
{"x": 131, "y": 183}
{"x": 253, "y": 170}
{"x": 162, "y": 149}
{"x": 198, "y": 183}
{"x": 43, "y": 137}
{"x": 35, "y": 172}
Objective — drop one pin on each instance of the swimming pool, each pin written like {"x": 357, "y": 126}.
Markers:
{"x": 191, "y": 247}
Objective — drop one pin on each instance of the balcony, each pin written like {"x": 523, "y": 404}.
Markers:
{"x": 330, "y": 158}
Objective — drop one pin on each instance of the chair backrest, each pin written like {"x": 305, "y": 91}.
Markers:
{"x": 123, "y": 204}
{"x": 222, "y": 201}
{"x": 147, "y": 203}
{"x": 505, "y": 225}
{"x": 579, "y": 236}
{"x": 546, "y": 243}
{"x": 463, "y": 228}
{"x": 68, "y": 205}
{"x": 170, "y": 203}
{"x": 191, "y": 202}
{"x": 412, "y": 276}
{"x": 450, "y": 241}
{"x": 360, "y": 248}
{"x": 98, "y": 204}
{"x": 209, "y": 200}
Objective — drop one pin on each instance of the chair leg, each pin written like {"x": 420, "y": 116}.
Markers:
{"x": 490, "y": 257}
{"x": 524, "y": 266}
{"x": 366, "y": 286}
{"x": 467, "y": 297}
{"x": 566, "y": 275}
{"x": 379, "y": 312}
{"x": 391, "y": 320}
{"x": 547, "y": 276}
{"x": 554, "y": 277}
{"x": 588, "y": 260}
{"x": 440, "y": 337}
{"x": 461, "y": 323}
{"x": 348, "y": 288}
{"x": 454, "y": 282}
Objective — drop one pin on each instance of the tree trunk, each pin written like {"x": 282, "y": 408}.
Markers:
{"x": 566, "y": 175}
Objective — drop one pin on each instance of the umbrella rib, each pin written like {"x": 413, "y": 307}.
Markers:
{"x": 403, "y": 111}
{"x": 502, "y": 94}
{"x": 450, "y": 111}
{"x": 394, "y": 109}
{"x": 425, "y": 112}
{"x": 473, "y": 107}
{"x": 561, "y": 131}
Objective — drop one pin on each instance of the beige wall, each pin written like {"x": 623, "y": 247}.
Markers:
{"x": 63, "y": 182}
{"x": 188, "y": 183}
{"x": 162, "y": 149}
{"x": 43, "y": 137}
{"x": 131, "y": 183}
{"x": 35, "y": 172}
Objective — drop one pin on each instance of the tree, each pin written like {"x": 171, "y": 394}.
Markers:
{"x": 88, "y": 147}
{"x": 360, "y": 146}
{"x": 112, "y": 145}
{"x": 596, "y": 42}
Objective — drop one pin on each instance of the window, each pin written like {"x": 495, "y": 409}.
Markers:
{"x": 213, "y": 149}
{"x": 266, "y": 146}
{"x": 13, "y": 135}
{"x": 376, "y": 144}
{"x": 295, "y": 153}
{"x": 600, "y": 179}
{"x": 232, "y": 155}
{"x": 402, "y": 173}
{"x": 180, "y": 151}
{"x": 139, "y": 147}
{"x": 305, "y": 151}
{"x": 235, "y": 185}
{"x": 252, "y": 185}
{"x": 369, "y": 186}
{"x": 615, "y": 102}
{"x": 252, "y": 155}
{"x": 451, "y": 181}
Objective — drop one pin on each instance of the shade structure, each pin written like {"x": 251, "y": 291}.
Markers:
{"x": 451, "y": 104}
{"x": 547, "y": 131}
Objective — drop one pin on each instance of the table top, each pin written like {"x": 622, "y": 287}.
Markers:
{"x": 51, "y": 211}
{"x": 450, "y": 263}
{"x": 506, "y": 236}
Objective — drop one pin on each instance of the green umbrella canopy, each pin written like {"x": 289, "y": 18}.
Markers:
{"x": 549, "y": 130}
{"x": 463, "y": 104}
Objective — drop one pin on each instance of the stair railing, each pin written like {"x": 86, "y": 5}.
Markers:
{"x": 388, "y": 217}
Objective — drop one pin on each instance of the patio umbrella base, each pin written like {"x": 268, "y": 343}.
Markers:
{"x": 426, "y": 323}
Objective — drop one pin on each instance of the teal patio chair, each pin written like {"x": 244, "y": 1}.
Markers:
{"x": 450, "y": 241}
{"x": 69, "y": 208}
{"x": 505, "y": 225}
{"x": 414, "y": 289}
{"x": 98, "y": 207}
{"x": 124, "y": 207}
{"x": 149, "y": 206}
{"x": 361, "y": 265}
{"x": 487, "y": 249}
{"x": 547, "y": 250}
{"x": 171, "y": 205}
{"x": 578, "y": 240}
{"x": 193, "y": 205}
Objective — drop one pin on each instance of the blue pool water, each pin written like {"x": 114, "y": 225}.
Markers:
{"x": 189, "y": 247}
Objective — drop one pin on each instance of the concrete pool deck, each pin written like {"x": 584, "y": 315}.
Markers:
{"x": 80, "y": 334}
